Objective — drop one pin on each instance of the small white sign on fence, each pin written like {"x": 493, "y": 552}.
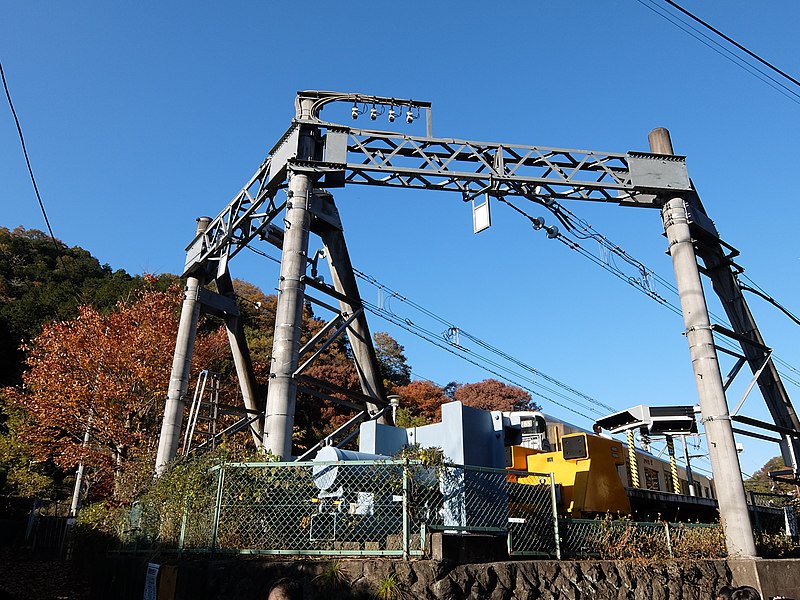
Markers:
{"x": 151, "y": 581}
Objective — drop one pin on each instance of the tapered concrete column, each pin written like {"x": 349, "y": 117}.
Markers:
{"x": 181, "y": 364}
{"x": 279, "y": 418}
{"x": 708, "y": 378}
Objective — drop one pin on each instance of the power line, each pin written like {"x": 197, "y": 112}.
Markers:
{"x": 27, "y": 159}
{"x": 734, "y": 42}
{"x": 642, "y": 283}
{"x": 758, "y": 291}
{"x": 384, "y": 312}
{"x": 483, "y": 362}
{"x": 726, "y": 53}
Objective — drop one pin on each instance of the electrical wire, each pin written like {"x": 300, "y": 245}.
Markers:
{"x": 724, "y": 52}
{"x": 478, "y": 361}
{"x": 762, "y": 294}
{"x": 392, "y": 294}
{"x": 28, "y": 160}
{"x": 580, "y": 229}
{"x": 522, "y": 380}
{"x": 734, "y": 42}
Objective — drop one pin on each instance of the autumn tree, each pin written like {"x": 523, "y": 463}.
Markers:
{"x": 420, "y": 403}
{"x": 491, "y": 394}
{"x": 42, "y": 280}
{"x": 101, "y": 378}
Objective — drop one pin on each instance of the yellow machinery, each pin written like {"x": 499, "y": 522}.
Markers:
{"x": 585, "y": 468}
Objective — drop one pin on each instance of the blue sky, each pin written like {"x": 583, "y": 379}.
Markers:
{"x": 140, "y": 118}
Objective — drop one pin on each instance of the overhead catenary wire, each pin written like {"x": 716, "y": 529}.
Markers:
{"x": 580, "y": 229}
{"x": 754, "y": 288}
{"x": 524, "y": 380}
{"x": 476, "y": 360}
{"x": 734, "y": 42}
{"x": 529, "y": 370}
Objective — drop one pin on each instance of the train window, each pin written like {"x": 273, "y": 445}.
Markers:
{"x": 574, "y": 447}
{"x": 651, "y": 479}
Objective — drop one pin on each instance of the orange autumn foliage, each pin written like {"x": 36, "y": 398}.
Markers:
{"x": 105, "y": 374}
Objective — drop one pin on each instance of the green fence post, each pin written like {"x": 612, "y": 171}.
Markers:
{"x": 554, "y": 506}
{"x": 754, "y": 505}
{"x": 217, "y": 508}
{"x": 182, "y": 535}
{"x": 405, "y": 510}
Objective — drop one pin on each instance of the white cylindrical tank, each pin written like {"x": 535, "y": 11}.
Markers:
{"x": 326, "y": 475}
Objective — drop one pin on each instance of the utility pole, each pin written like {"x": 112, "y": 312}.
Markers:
{"x": 282, "y": 392}
{"x": 181, "y": 363}
{"x": 708, "y": 378}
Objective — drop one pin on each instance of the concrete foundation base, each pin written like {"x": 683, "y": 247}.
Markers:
{"x": 770, "y": 577}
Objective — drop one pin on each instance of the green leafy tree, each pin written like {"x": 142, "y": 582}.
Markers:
{"x": 761, "y": 482}
{"x": 395, "y": 369}
{"x": 20, "y": 473}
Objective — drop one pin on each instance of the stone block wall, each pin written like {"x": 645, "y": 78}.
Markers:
{"x": 249, "y": 579}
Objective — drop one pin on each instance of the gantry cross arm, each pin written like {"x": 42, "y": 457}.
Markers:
{"x": 345, "y": 155}
{"x": 472, "y": 168}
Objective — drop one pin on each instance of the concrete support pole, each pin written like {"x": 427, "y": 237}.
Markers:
{"x": 76, "y": 490}
{"x": 279, "y": 418}
{"x": 708, "y": 378}
{"x": 181, "y": 363}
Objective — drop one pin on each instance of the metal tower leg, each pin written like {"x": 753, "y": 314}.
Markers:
{"x": 181, "y": 363}
{"x": 358, "y": 333}
{"x": 241, "y": 358}
{"x": 708, "y": 378}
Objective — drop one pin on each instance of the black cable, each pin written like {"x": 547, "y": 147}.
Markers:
{"x": 575, "y": 222}
{"x": 734, "y": 42}
{"x": 27, "y": 159}
{"x": 771, "y": 300}
{"x": 494, "y": 350}
{"x": 727, "y": 54}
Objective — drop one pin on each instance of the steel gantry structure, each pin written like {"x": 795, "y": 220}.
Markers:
{"x": 291, "y": 188}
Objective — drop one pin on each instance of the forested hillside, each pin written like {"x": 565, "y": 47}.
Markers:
{"x": 43, "y": 280}
{"x": 86, "y": 356}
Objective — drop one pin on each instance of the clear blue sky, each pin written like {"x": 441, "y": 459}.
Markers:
{"x": 139, "y": 118}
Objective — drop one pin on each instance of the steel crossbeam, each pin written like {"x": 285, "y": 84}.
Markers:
{"x": 472, "y": 168}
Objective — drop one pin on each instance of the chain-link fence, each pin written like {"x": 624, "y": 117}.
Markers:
{"x": 391, "y": 508}
{"x": 351, "y": 508}
{"x": 774, "y": 514}
{"x": 621, "y": 538}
